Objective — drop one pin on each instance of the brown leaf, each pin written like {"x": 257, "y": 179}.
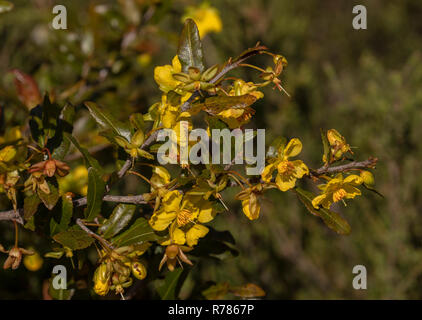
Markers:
{"x": 27, "y": 89}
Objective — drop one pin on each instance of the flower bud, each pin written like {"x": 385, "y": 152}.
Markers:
{"x": 14, "y": 259}
{"x": 138, "y": 270}
{"x": 368, "y": 178}
{"x": 138, "y": 138}
{"x": 33, "y": 262}
{"x": 172, "y": 251}
{"x": 102, "y": 280}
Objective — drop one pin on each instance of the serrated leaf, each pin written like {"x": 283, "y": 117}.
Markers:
{"x": 139, "y": 232}
{"x": 30, "y": 206}
{"x": 169, "y": 289}
{"x": 118, "y": 220}
{"x": 50, "y": 199}
{"x": 190, "y": 47}
{"x": 74, "y": 238}
{"x": 90, "y": 161}
{"x": 107, "y": 122}
{"x": 332, "y": 219}
{"x": 96, "y": 191}
{"x": 65, "y": 215}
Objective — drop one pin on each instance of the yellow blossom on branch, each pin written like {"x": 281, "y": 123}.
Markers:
{"x": 337, "y": 189}
{"x": 287, "y": 171}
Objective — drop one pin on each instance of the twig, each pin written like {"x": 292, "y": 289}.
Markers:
{"x": 80, "y": 223}
{"x": 227, "y": 68}
{"x": 369, "y": 163}
{"x": 17, "y": 215}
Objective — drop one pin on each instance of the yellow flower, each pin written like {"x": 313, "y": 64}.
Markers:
{"x": 241, "y": 88}
{"x": 185, "y": 215}
{"x": 287, "y": 171}
{"x": 33, "y": 262}
{"x": 163, "y": 75}
{"x": 250, "y": 201}
{"x": 337, "y": 189}
{"x": 206, "y": 18}
{"x": 337, "y": 143}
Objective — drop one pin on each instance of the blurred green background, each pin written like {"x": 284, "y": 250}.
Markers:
{"x": 364, "y": 83}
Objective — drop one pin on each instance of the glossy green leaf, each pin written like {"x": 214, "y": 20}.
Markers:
{"x": 107, "y": 122}
{"x": 96, "y": 191}
{"x": 118, "y": 220}
{"x": 64, "y": 216}
{"x": 74, "y": 238}
{"x": 139, "y": 232}
{"x": 190, "y": 47}
{"x": 171, "y": 285}
{"x": 332, "y": 219}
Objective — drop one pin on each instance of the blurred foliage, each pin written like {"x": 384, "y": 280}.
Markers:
{"x": 364, "y": 83}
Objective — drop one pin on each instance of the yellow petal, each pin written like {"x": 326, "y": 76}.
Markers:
{"x": 285, "y": 182}
{"x": 194, "y": 233}
{"x": 353, "y": 179}
{"x": 178, "y": 237}
{"x": 171, "y": 201}
{"x": 293, "y": 148}
{"x": 351, "y": 191}
{"x": 161, "y": 220}
{"x": 319, "y": 200}
{"x": 251, "y": 210}
{"x": 267, "y": 173}
{"x": 206, "y": 212}
{"x": 300, "y": 168}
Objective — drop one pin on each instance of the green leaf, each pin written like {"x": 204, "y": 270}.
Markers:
{"x": 59, "y": 144}
{"x": 5, "y": 6}
{"x": 90, "y": 161}
{"x": 65, "y": 215}
{"x": 74, "y": 238}
{"x": 172, "y": 283}
{"x": 59, "y": 294}
{"x": 332, "y": 219}
{"x": 118, "y": 220}
{"x": 50, "y": 117}
{"x": 30, "y": 206}
{"x": 139, "y": 232}
{"x": 190, "y": 47}
{"x": 96, "y": 190}
{"x": 107, "y": 122}
{"x": 51, "y": 198}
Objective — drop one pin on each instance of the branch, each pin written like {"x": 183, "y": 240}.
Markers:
{"x": 80, "y": 223}
{"x": 17, "y": 215}
{"x": 369, "y": 163}
{"x": 227, "y": 68}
